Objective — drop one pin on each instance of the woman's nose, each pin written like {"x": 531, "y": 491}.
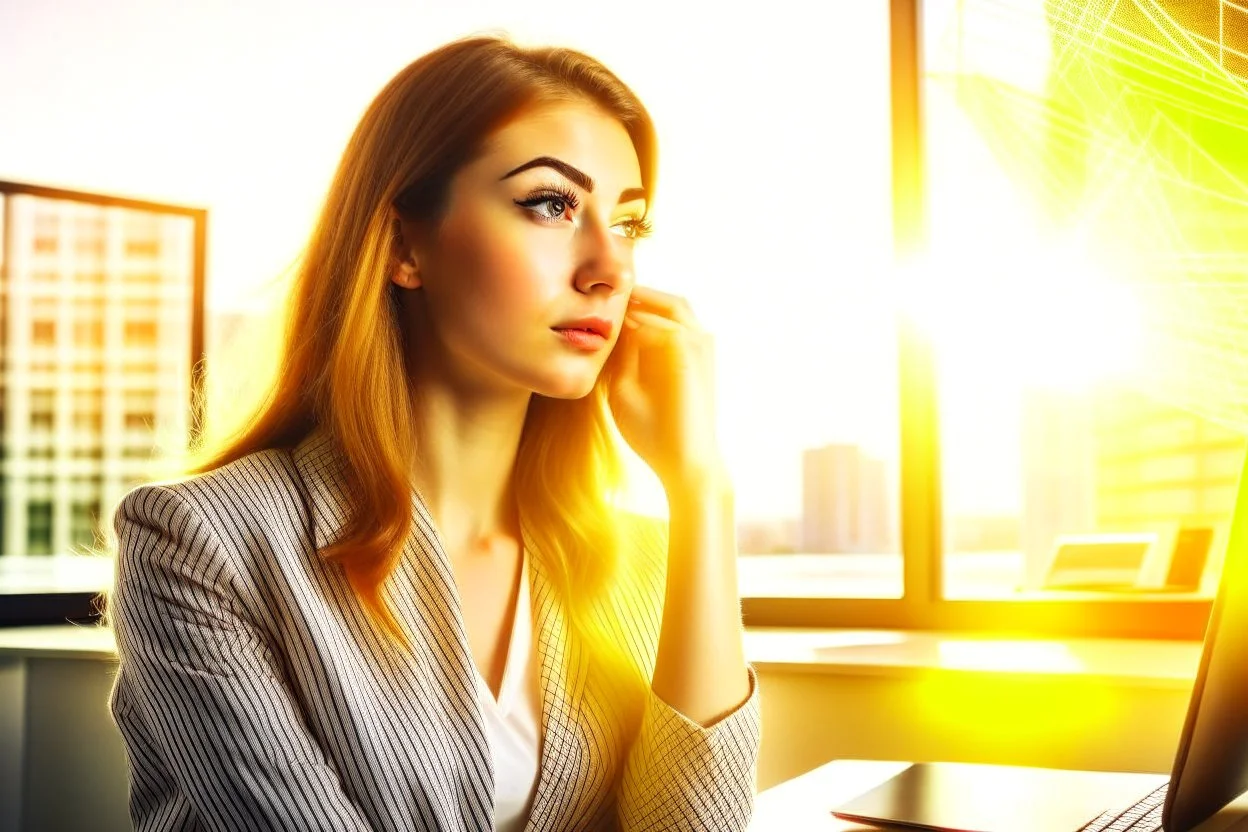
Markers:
{"x": 605, "y": 259}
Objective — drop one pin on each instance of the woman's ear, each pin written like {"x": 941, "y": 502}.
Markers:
{"x": 405, "y": 270}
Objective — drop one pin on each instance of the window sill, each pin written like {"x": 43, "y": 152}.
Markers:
{"x": 893, "y": 653}
{"x": 904, "y": 653}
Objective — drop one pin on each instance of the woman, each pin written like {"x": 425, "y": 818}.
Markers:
{"x": 403, "y": 597}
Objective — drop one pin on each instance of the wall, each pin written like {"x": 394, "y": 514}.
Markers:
{"x": 811, "y": 718}
{"x": 59, "y": 749}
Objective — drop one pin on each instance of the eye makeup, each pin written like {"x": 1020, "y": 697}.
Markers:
{"x": 552, "y": 202}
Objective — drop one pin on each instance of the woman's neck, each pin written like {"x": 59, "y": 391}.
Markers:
{"x": 465, "y": 457}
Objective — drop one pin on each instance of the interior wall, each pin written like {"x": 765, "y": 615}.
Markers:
{"x": 1072, "y": 722}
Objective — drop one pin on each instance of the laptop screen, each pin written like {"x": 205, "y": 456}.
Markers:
{"x": 1211, "y": 765}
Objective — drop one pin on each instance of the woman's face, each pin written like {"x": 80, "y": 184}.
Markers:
{"x": 537, "y": 234}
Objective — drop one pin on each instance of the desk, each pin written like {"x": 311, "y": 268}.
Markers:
{"x": 805, "y": 802}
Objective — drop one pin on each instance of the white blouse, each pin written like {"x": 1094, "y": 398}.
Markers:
{"x": 512, "y": 722}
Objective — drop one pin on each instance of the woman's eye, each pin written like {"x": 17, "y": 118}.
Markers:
{"x": 549, "y": 207}
{"x": 557, "y": 208}
{"x": 633, "y": 229}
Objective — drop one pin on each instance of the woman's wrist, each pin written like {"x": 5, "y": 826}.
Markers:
{"x": 698, "y": 484}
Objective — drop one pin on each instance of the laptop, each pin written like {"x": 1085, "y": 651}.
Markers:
{"x": 1210, "y": 766}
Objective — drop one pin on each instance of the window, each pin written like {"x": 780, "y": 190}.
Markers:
{"x": 88, "y": 421}
{"x": 1071, "y": 433}
{"x": 140, "y": 414}
{"x": 143, "y": 248}
{"x": 43, "y": 333}
{"x": 92, "y": 239}
{"x": 790, "y": 270}
{"x": 89, "y": 333}
{"x": 88, "y": 410}
{"x": 42, "y": 409}
{"x": 1081, "y": 402}
{"x": 146, "y": 276}
{"x": 141, "y": 420}
{"x": 84, "y": 519}
{"x": 47, "y": 232}
{"x": 140, "y": 333}
{"x": 39, "y": 527}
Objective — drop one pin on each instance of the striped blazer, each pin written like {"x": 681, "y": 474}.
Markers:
{"x": 253, "y": 691}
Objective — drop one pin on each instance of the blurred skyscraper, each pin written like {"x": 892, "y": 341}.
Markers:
{"x": 100, "y": 317}
{"x": 844, "y": 501}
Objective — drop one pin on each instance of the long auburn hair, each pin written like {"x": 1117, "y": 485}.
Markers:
{"x": 342, "y": 357}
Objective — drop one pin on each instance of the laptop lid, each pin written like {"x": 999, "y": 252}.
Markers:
{"x": 1211, "y": 764}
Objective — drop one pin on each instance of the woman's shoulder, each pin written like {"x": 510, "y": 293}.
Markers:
{"x": 230, "y": 497}
{"x": 255, "y": 474}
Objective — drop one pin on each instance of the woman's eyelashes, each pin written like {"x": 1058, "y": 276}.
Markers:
{"x": 554, "y": 204}
{"x": 560, "y": 202}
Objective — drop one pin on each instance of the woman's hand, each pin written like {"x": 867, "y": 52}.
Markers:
{"x": 661, "y": 390}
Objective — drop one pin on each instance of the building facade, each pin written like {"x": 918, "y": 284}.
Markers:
{"x": 100, "y": 316}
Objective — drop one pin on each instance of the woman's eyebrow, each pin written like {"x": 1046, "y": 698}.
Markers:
{"x": 582, "y": 179}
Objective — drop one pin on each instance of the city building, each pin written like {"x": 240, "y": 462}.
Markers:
{"x": 845, "y": 505}
{"x": 100, "y": 329}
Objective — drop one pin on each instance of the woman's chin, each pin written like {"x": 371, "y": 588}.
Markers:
{"x": 569, "y": 387}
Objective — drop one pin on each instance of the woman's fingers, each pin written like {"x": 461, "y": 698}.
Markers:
{"x": 651, "y": 319}
{"x": 673, "y": 306}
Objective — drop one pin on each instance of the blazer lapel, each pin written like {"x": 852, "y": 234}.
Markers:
{"x": 563, "y": 667}
{"x": 426, "y": 602}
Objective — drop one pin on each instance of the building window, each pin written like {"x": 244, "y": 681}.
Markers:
{"x": 39, "y": 527}
{"x": 88, "y": 420}
{"x": 143, "y": 248}
{"x": 89, "y": 333}
{"x": 145, "y": 276}
{"x": 142, "y": 420}
{"x": 140, "y": 333}
{"x": 42, "y": 409}
{"x": 47, "y": 234}
{"x": 83, "y": 522}
{"x": 43, "y": 333}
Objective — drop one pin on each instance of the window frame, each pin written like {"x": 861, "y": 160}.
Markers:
{"x": 922, "y": 606}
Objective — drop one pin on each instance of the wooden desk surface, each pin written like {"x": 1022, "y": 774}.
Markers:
{"x": 805, "y": 802}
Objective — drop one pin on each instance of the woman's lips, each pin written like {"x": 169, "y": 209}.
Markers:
{"x": 582, "y": 339}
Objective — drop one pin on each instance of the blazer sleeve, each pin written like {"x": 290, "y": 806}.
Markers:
{"x": 680, "y": 775}
{"x": 198, "y": 675}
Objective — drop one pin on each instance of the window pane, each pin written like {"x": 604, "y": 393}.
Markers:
{"x": 776, "y": 222}
{"x": 1087, "y": 291}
